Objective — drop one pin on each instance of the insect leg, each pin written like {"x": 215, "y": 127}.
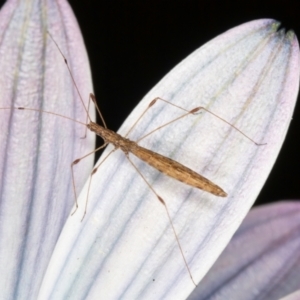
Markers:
{"x": 169, "y": 217}
{"x": 193, "y": 111}
{"x": 87, "y": 117}
{"x": 76, "y": 161}
{"x": 92, "y": 96}
{"x": 93, "y": 172}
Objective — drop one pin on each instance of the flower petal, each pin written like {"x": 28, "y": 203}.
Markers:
{"x": 292, "y": 296}
{"x": 262, "y": 259}
{"x": 37, "y": 149}
{"x": 125, "y": 247}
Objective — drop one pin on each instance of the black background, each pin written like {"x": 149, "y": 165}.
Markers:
{"x": 133, "y": 44}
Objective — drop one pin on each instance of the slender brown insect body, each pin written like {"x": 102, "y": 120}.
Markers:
{"x": 162, "y": 163}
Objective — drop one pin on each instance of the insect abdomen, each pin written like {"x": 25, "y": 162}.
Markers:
{"x": 177, "y": 171}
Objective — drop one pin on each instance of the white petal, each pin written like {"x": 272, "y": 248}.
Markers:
{"x": 292, "y": 296}
{"x": 262, "y": 259}
{"x": 36, "y": 149}
{"x": 125, "y": 247}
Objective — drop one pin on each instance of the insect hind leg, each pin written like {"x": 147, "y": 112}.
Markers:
{"x": 169, "y": 216}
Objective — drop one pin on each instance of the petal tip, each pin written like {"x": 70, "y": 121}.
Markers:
{"x": 275, "y": 25}
{"x": 291, "y": 36}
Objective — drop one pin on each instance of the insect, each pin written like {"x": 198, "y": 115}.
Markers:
{"x": 163, "y": 164}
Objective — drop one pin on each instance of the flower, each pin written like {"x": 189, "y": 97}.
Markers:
{"x": 125, "y": 246}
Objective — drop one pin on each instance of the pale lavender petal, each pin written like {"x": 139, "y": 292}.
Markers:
{"x": 125, "y": 247}
{"x": 36, "y": 149}
{"x": 292, "y": 296}
{"x": 261, "y": 261}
